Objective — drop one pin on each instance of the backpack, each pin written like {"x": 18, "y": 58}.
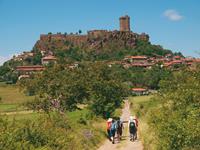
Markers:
{"x": 113, "y": 126}
{"x": 132, "y": 125}
{"x": 108, "y": 125}
{"x": 119, "y": 124}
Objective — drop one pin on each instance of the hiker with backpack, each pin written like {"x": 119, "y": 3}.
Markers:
{"x": 132, "y": 128}
{"x": 119, "y": 128}
{"x": 113, "y": 130}
{"x": 109, "y": 123}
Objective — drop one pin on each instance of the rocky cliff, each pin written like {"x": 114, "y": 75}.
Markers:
{"x": 93, "y": 40}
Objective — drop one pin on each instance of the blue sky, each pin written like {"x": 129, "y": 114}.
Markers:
{"x": 174, "y": 24}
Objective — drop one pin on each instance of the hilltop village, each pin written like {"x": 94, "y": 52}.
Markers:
{"x": 167, "y": 61}
{"x": 98, "y": 40}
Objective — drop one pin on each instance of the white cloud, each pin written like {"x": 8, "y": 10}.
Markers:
{"x": 4, "y": 59}
{"x": 173, "y": 15}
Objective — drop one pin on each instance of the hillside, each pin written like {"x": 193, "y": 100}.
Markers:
{"x": 98, "y": 44}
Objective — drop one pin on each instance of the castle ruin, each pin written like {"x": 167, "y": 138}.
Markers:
{"x": 125, "y": 23}
{"x": 94, "y": 39}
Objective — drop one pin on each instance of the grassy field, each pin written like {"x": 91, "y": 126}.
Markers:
{"x": 12, "y": 98}
{"x": 22, "y": 117}
{"x": 141, "y": 106}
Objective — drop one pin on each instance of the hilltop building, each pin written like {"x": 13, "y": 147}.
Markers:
{"x": 125, "y": 23}
{"x": 26, "y": 71}
{"x": 48, "y": 59}
{"x": 94, "y": 39}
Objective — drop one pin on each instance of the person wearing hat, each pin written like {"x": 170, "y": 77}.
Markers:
{"x": 109, "y": 123}
{"x": 132, "y": 128}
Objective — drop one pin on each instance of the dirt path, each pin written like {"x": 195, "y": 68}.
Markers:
{"x": 125, "y": 143}
{"x": 17, "y": 112}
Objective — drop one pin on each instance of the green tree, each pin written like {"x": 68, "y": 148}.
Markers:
{"x": 176, "y": 123}
{"x": 63, "y": 88}
{"x": 37, "y": 58}
{"x": 79, "y": 31}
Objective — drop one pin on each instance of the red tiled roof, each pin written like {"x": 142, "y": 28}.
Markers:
{"x": 49, "y": 58}
{"x": 177, "y": 61}
{"x": 30, "y": 68}
{"x": 138, "y": 89}
{"x": 189, "y": 63}
{"x": 138, "y": 57}
{"x": 177, "y": 56}
{"x": 173, "y": 62}
{"x": 189, "y": 59}
{"x": 167, "y": 64}
{"x": 197, "y": 60}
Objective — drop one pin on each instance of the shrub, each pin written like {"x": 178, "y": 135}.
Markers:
{"x": 54, "y": 132}
{"x": 177, "y": 123}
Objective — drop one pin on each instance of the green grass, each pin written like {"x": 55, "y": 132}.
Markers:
{"x": 22, "y": 117}
{"x": 12, "y": 98}
{"x": 11, "y": 94}
{"x": 10, "y": 107}
{"x": 141, "y": 104}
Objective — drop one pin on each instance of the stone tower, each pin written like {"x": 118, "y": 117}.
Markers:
{"x": 124, "y": 23}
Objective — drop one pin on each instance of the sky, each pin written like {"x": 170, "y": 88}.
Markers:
{"x": 174, "y": 24}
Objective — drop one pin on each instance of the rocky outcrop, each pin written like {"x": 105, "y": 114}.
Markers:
{"x": 94, "y": 40}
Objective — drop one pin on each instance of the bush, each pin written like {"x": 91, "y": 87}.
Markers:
{"x": 176, "y": 123}
{"x": 54, "y": 132}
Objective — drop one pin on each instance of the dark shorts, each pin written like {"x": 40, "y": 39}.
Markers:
{"x": 119, "y": 131}
{"x": 113, "y": 133}
{"x": 133, "y": 131}
{"x": 109, "y": 133}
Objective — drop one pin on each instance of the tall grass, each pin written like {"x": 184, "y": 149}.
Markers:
{"x": 11, "y": 98}
{"x": 73, "y": 130}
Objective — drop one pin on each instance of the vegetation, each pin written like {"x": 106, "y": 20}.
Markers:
{"x": 60, "y": 91}
{"x": 51, "y": 132}
{"x": 11, "y": 94}
{"x": 63, "y": 89}
{"x": 7, "y": 74}
{"x": 171, "y": 118}
{"x": 111, "y": 52}
{"x": 141, "y": 77}
{"x": 11, "y": 98}
{"x": 180, "y": 100}
{"x": 141, "y": 106}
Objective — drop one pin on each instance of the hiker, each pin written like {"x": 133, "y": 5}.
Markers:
{"x": 136, "y": 123}
{"x": 113, "y": 130}
{"x": 109, "y": 122}
{"x": 119, "y": 128}
{"x": 132, "y": 128}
